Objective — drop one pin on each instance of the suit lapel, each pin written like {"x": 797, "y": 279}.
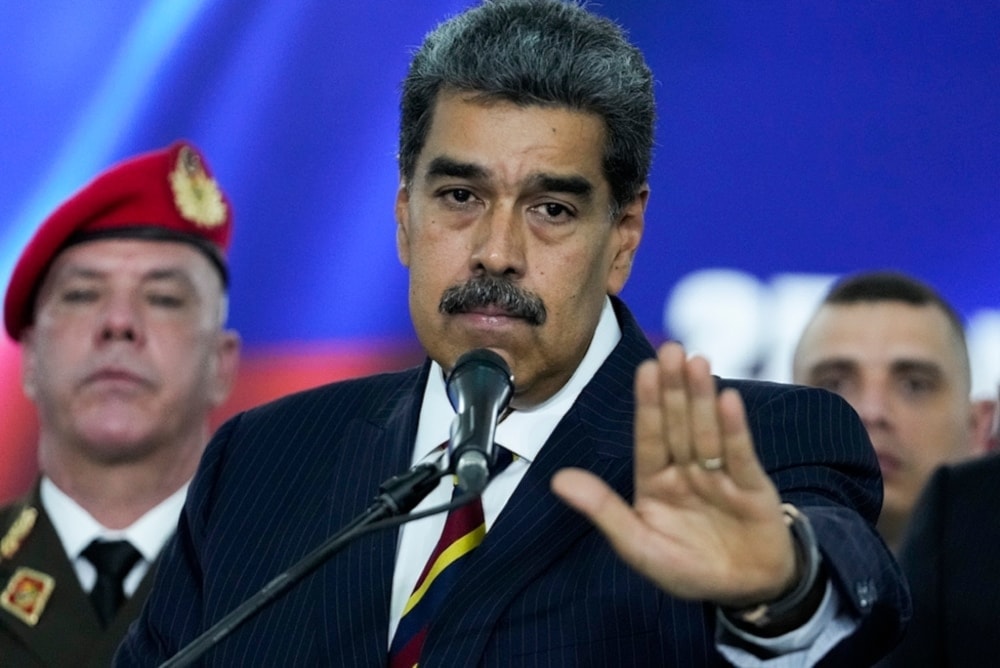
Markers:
{"x": 536, "y": 528}
{"x": 358, "y": 582}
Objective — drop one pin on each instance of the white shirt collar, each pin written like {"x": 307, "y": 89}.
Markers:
{"x": 524, "y": 431}
{"x": 77, "y": 528}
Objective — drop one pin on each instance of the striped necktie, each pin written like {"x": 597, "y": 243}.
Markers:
{"x": 464, "y": 529}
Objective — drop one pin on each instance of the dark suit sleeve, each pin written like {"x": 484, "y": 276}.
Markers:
{"x": 922, "y": 561}
{"x": 172, "y": 617}
{"x": 816, "y": 451}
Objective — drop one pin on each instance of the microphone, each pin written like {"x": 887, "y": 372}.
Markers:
{"x": 479, "y": 388}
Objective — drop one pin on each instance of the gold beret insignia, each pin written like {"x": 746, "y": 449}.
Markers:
{"x": 196, "y": 194}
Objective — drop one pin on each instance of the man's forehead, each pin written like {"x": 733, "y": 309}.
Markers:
{"x": 882, "y": 333}
{"x": 900, "y": 318}
{"x": 146, "y": 259}
{"x": 462, "y": 129}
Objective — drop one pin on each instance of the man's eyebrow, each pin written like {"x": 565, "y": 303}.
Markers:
{"x": 443, "y": 166}
{"x": 833, "y": 364}
{"x": 77, "y": 271}
{"x": 905, "y": 366}
{"x": 168, "y": 274}
{"x": 571, "y": 185}
{"x": 448, "y": 167}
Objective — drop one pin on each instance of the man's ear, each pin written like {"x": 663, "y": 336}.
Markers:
{"x": 403, "y": 223}
{"x": 29, "y": 367}
{"x": 626, "y": 237}
{"x": 227, "y": 361}
{"x": 985, "y": 426}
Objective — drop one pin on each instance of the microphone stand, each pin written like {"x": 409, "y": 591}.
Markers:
{"x": 398, "y": 496}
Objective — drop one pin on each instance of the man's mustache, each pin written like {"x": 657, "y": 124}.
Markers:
{"x": 497, "y": 292}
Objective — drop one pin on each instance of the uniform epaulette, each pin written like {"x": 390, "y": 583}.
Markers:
{"x": 18, "y": 531}
{"x": 27, "y": 591}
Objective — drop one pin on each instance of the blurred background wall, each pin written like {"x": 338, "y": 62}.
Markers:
{"x": 795, "y": 142}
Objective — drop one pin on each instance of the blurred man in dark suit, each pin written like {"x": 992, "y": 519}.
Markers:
{"x": 118, "y": 303}
{"x": 718, "y": 520}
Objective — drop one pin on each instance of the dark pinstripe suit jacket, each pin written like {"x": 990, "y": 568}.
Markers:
{"x": 544, "y": 589}
{"x": 951, "y": 558}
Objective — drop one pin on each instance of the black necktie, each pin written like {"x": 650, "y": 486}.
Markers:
{"x": 113, "y": 561}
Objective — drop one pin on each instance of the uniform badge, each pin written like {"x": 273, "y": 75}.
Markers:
{"x": 26, "y": 594}
{"x": 196, "y": 194}
{"x": 19, "y": 530}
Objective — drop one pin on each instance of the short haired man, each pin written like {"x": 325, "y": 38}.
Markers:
{"x": 895, "y": 349}
{"x": 119, "y": 305}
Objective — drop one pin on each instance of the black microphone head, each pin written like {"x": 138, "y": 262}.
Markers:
{"x": 479, "y": 389}
{"x": 479, "y": 366}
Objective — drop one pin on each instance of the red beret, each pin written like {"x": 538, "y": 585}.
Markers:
{"x": 167, "y": 195}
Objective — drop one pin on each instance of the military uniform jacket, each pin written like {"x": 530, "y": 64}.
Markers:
{"x": 67, "y": 632}
{"x": 543, "y": 589}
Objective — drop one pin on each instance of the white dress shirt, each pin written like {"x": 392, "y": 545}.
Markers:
{"x": 77, "y": 529}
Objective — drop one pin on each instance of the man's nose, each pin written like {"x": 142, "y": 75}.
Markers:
{"x": 120, "y": 320}
{"x": 499, "y": 243}
{"x": 874, "y": 407}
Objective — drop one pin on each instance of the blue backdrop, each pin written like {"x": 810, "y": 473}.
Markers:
{"x": 795, "y": 141}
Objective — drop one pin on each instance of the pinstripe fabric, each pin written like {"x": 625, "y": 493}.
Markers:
{"x": 543, "y": 589}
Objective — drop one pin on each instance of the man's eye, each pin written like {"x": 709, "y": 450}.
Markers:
{"x": 79, "y": 295}
{"x": 831, "y": 383}
{"x": 915, "y": 386}
{"x": 460, "y": 195}
{"x": 167, "y": 301}
{"x": 554, "y": 210}
{"x": 553, "y": 213}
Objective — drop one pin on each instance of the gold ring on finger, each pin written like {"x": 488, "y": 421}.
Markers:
{"x": 711, "y": 463}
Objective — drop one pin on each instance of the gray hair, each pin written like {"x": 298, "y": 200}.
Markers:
{"x": 538, "y": 52}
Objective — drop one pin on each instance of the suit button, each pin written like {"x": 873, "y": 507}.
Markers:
{"x": 866, "y": 595}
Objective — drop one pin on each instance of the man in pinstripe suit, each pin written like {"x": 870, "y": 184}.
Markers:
{"x": 524, "y": 152}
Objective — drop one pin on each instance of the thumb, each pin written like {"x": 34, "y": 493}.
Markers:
{"x": 590, "y": 496}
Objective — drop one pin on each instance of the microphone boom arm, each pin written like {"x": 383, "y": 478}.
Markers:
{"x": 398, "y": 496}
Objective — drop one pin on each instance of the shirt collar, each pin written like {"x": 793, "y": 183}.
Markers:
{"x": 77, "y": 528}
{"x": 523, "y": 431}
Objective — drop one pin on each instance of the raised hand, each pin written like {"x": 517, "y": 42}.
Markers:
{"x": 706, "y": 522}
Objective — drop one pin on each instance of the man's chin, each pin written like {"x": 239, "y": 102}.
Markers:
{"x": 116, "y": 442}
{"x": 459, "y": 340}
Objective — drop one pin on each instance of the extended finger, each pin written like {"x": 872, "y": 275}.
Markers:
{"x": 651, "y": 452}
{"x": 706, "y": 442}
{"x": 675, "y": 403}
{"x": 742, "y": 464}
{"x": 591, "y": 496}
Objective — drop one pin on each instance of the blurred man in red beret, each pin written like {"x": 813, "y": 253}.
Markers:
{"x": 119, "y": 303}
